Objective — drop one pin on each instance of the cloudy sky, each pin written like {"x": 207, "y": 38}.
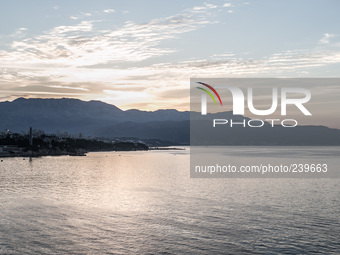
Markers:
{"x": 142, "y": 54}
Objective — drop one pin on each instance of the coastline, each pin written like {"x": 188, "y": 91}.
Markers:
{"x": 79, "y": 153}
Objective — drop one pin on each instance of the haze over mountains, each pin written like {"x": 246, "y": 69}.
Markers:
{"x": 95, "y": 118}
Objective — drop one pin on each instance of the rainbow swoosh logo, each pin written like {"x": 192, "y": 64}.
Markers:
{"x": 207, "y": 91}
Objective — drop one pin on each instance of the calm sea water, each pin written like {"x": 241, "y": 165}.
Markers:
{"x": 146, "y": 203}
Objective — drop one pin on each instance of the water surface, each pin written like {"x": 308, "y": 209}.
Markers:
{"x": 146, "y": 203}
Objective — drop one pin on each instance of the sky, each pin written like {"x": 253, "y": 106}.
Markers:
{"x": 142, "y": 54}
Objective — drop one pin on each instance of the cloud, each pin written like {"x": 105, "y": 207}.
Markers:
{"x": 326, "y": 38}
{"x": 91, "y": 61}
{"x": 82, "y": 15}
{"x": 125, "y": 97}
{"x": 203, "y": 8}
{"x": 231, "y": 65}
{"x": 109, "y": 11}
{"x": 20, "y": 32}
{"x": 82, "y": 45}
{"x": 86, "y": 14}
{"x": 68, "y": 87}
{"x": 159, "y": 82}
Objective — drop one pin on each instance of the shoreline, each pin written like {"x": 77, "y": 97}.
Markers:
{"x": 74, "y": 154}
{"x": 166, "y": 148}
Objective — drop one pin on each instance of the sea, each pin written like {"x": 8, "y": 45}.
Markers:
{"x": 146, "y": 203}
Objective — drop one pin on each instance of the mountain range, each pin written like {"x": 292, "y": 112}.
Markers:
{"x": 96, "y": 118}
{"x": 93, "y": 118}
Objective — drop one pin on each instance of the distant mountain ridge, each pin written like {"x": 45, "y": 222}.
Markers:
{"x": 92, "y": 118}
{"x": 96, "y": 118}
